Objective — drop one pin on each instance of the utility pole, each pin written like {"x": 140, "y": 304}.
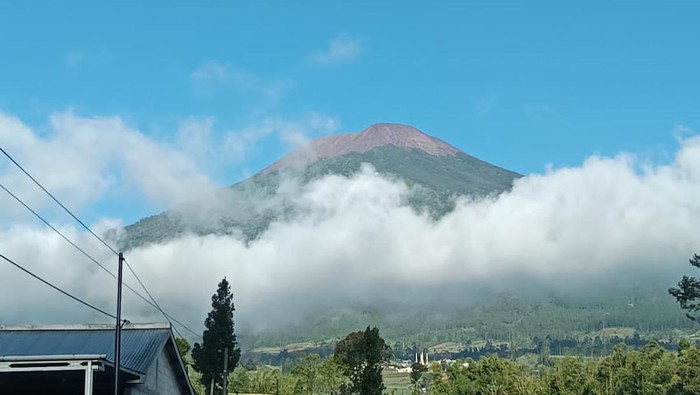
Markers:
{"x": 225, "y": 370}
{"x": 118, "y": 328}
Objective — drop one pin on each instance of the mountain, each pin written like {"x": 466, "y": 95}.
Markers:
{"x": 376, "y": 136}
{"x": 435, "y": 171}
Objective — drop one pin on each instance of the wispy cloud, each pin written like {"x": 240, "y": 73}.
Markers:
{"x": 77, "y": 60}
{"x": 211, "y": 77}
{"x": 339, "y": 50}
{"x": 195, "y": 138}
{"x": 681, "y": 131}
{"x": 211, "y": 72}
{"x": 214, "y": 148}
{"x": 294, "y": 133}
{"x": 73, "y": 60}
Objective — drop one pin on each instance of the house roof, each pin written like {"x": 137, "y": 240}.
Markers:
{"x": 140, "y": 344}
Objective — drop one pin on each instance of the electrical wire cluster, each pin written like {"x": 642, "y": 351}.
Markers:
{"x": 150, "y": 300}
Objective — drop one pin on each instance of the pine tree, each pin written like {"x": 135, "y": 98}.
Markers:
{"x": 688, "y": 292}
{"x": 218, "y": 336}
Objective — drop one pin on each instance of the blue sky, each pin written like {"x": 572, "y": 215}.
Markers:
{"x": 521, "y": 86}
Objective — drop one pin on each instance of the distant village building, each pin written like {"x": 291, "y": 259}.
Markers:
{"x": 75, "y": 359}
{"x": 422, "y": 357}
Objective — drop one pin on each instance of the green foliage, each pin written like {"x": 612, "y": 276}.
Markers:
{"x": 360, "y": 355}
{"x": 647, "y": 371}
{"x": 331, "y": 374}
{"x": 687, "y": 375}
{"x": 264, "y": 381}
{"x": 441, "y": 383}
{"x": 183, "y": 347}
{"x": 195, "y": 380}
{"x": 650, "y": 370}
{"x": 569, "y": 376}
{"x": 307, "y": 373}
{"x": 310, "y": 375}
{"x": 218, "y": 336}
{"x": 496, "y": 375}
{"x": 239, "y": 381}
{"x": 417, "y": 370}
{"x": 688, "y": 292}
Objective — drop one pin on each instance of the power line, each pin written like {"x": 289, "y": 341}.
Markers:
{"x": 152, "y": 301}
{"x": 56, "y": 288}
{"x": 57, "y": 231}
{"x": 156, "y": 305}
{"x": 177, "y": 332}
{"x": 57, "y": 202}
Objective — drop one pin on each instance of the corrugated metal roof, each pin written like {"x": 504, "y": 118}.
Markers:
{"x": 139, "y": 346}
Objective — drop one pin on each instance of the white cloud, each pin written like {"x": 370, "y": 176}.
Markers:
{"x": 355, "y": 241}
{"x": 82, "y": 159}
{"x": 340, "y": 50}
{"x": 195, "y": 139}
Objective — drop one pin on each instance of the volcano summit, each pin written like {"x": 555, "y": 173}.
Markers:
{"x": 435, "y": 172}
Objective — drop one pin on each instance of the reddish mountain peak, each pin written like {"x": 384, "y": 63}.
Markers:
{"x": 377, "y": 135}
{"x": 404, "y": 136}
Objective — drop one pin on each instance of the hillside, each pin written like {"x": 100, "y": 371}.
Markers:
{"x": 435, "y": 171}
{"x": 578, "y": 325}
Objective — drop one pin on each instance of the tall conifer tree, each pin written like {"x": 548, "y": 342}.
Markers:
{"x": 218, "y": 336}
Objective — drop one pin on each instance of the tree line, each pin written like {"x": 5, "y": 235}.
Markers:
{"x": 356, "y": 368}
{"x": 649, "y": 370}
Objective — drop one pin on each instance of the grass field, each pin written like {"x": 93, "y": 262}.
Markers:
{"x": 397, "y": 383}
{"x": 451, "y": 347}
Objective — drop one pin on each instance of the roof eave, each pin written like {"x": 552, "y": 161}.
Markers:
{"x": 69, "y": 357}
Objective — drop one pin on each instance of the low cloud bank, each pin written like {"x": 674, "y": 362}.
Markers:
{"x": 357, "y": 242}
